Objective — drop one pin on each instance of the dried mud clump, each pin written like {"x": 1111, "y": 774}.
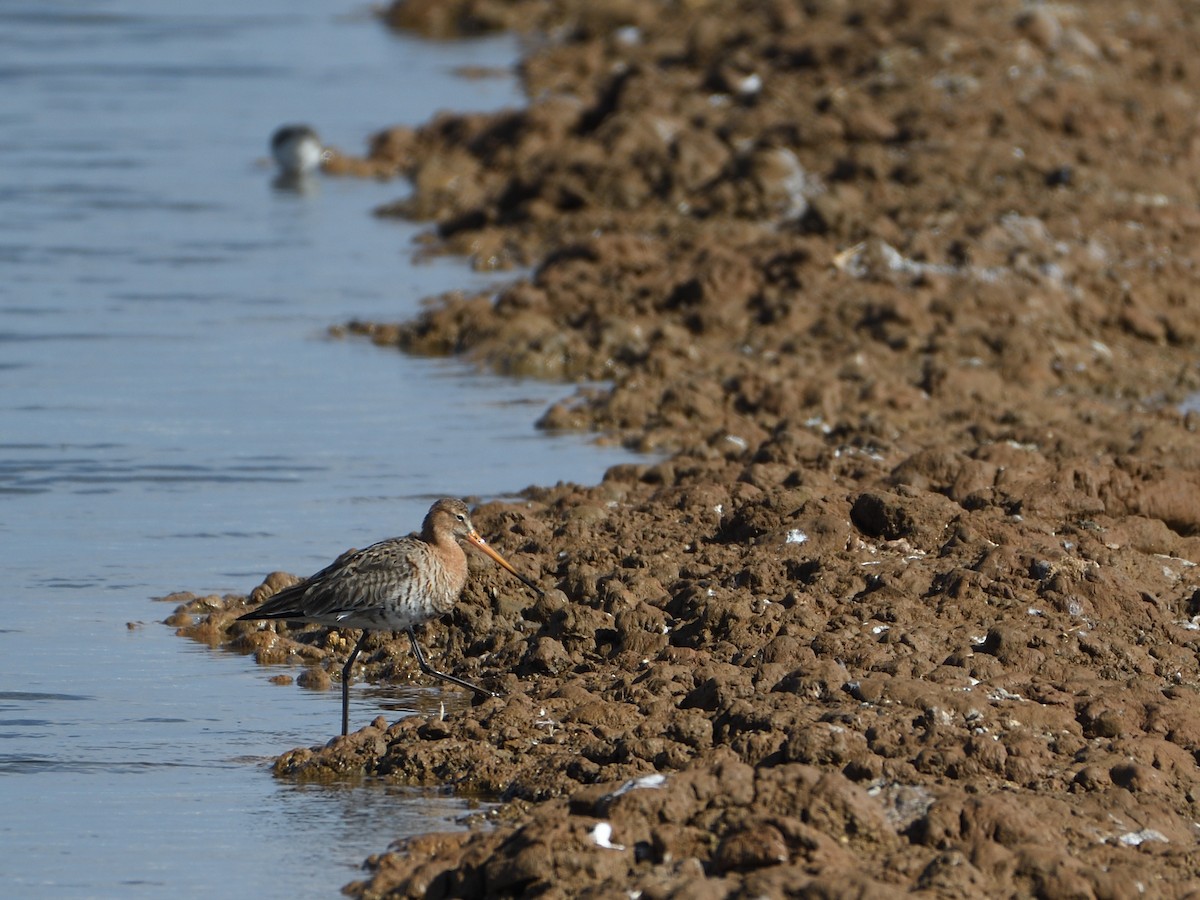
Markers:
{"x": 905, "y": 296}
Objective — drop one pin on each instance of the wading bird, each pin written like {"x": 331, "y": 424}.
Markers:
{"x": 390, "y": 586}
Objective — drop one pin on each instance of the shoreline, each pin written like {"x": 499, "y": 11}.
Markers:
{"x": 908, "y": 297}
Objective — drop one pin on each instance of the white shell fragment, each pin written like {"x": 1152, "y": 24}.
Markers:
{"x": 602, "y": 837}
{"x": 646, "y": 781}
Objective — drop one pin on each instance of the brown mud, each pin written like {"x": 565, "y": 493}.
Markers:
{"x": 907, "y": 293}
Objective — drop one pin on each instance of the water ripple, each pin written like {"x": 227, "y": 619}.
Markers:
{"x": 16, "y": 764}
{"x": 29, "y": 696}
{"x": 32, "y": 475}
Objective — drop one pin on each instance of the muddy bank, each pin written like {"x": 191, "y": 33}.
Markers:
{"x": 908, "y": 293}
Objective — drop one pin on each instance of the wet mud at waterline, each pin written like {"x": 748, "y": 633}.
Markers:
{"x": 905, "y": 297}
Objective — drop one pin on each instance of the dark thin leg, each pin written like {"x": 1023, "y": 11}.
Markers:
{"x": 430, "y": 670}
{"x": 346, "y": 681}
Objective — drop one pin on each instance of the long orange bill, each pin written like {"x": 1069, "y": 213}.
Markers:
{"x": 477, "y": 539}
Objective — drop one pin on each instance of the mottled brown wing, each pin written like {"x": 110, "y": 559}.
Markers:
{"x": 358, "y": 582}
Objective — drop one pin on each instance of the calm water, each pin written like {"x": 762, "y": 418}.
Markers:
{"x": 172, "y": 417}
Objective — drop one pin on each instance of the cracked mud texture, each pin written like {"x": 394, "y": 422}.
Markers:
{"x": 906, "y": 295}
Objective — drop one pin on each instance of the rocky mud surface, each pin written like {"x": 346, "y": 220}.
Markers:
{"x": 906, "y": 295}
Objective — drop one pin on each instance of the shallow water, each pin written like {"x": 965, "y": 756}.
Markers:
{"x": 172, "y": 416}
